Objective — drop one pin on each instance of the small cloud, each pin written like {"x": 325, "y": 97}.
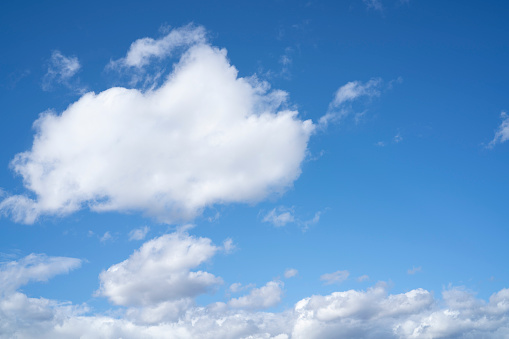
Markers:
{"x": 279, "y": 217}
{"x": 291, "y": 272}
{"x": 380, "y": 144}
{"x": 374, "y": 4}
{"x": 238, "y": 287}
{"x": 502, "y": 133}
{"x": 229, "y": 246}
{"x": 363, "y": 278}
{"x": 139, "y": 233}
{"x": 90, "y": 233}
{"x": 398, "y": 138}
{"x": 335, "y": 278}
{"x": 414, "y": 270}
{"x": 107, "y": 236}
{"x": 60, "y": 70}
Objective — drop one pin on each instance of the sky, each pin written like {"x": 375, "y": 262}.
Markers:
{"x": 254, "y": 169}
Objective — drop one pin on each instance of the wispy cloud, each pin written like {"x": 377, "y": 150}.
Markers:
{"x": 414, "y": 270}
{"x": 61, "y": 69}
{"x": 335, "y": 278}
{"x": 291, "y": 272}
{"x": 139, "y": 233}
{"x": 502, "y": 133}
{"x": 374, "y": 4}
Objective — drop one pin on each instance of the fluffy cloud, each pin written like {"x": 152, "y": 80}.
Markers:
{"x": 372, "y": 313}
{"x": 60, "y": 70}
{"x": 502, "y": 133}
{"x": 204, "y": 137}
{"x": 159, "y": 272}
{"x": 259, "y": 298}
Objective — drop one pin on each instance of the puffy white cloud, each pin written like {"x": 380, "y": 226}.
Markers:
{"x": 34, "y": 267}
{"x": 143, "y": 50}
{"x": 60, "y": 69}
{"x": 291, "y": 272}
{"x": 204, "y": 137}
{"x": 372, "y": 313}
{"x": 502, "y": 133}
{"x": 259, "y": 298}
{"x": 160, "y": 271}
{"x": 139, "y": 233}
{"x": 335, "y": 278}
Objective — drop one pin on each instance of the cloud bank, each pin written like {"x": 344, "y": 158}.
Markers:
{"x": 371, "y": 313}
{"x": 204, "y": 137}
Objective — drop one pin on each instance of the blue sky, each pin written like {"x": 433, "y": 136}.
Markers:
{"x": 269, "y": 169}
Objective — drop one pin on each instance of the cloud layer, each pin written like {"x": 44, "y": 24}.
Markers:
{"x": 204, "y": 137}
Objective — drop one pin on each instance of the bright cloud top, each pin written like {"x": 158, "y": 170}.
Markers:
{"x": 204, "y": 137}
{"x": 160, "y": 271}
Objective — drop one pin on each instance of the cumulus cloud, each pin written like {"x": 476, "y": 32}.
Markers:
{"x": 34, "y": 267}
{"x": 204, "y": 137}
{"x": 139, "y": 233}
{"x": 371, "y": 313}
{"x": 259, "y": 298}
{"x": 160, "y": 271}
{"x": 502, "y": 133}
{"x": 335, "y": 278}
{"x": 60, "y": 70}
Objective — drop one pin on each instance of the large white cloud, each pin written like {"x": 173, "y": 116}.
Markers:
{"x": 204, "y": 137}
{"x": 371, "y": 313}
{"x": 160, "y": 271}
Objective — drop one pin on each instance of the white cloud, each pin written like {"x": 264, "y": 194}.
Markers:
{"x": 279, "y": 217}
{"x": 204, "y": 137}
{"x": 60, "y": 70}
{"x": 143, "y": 50}
{"x": 335, "y": 278}
{"x": 160, "y": 271}
{"x": 374, "y": 4}
{"x": 398, "y": 138}
{"x": 291, "y": 272}
{"x": 414, "y": 270}
{"x": 372, "y": 313}
{"x": 363, "y": 278}
{"x": 259, "y": 298}
{"x": 502, "y": 133}
{"x": 34, "y": 267}
{"x": 106, "y": 236}
{"x": 229, "y": 246}
{"x": 356, "y": 89}
{"x": 346, "y": 95}
{"x": 139, "y": 233}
